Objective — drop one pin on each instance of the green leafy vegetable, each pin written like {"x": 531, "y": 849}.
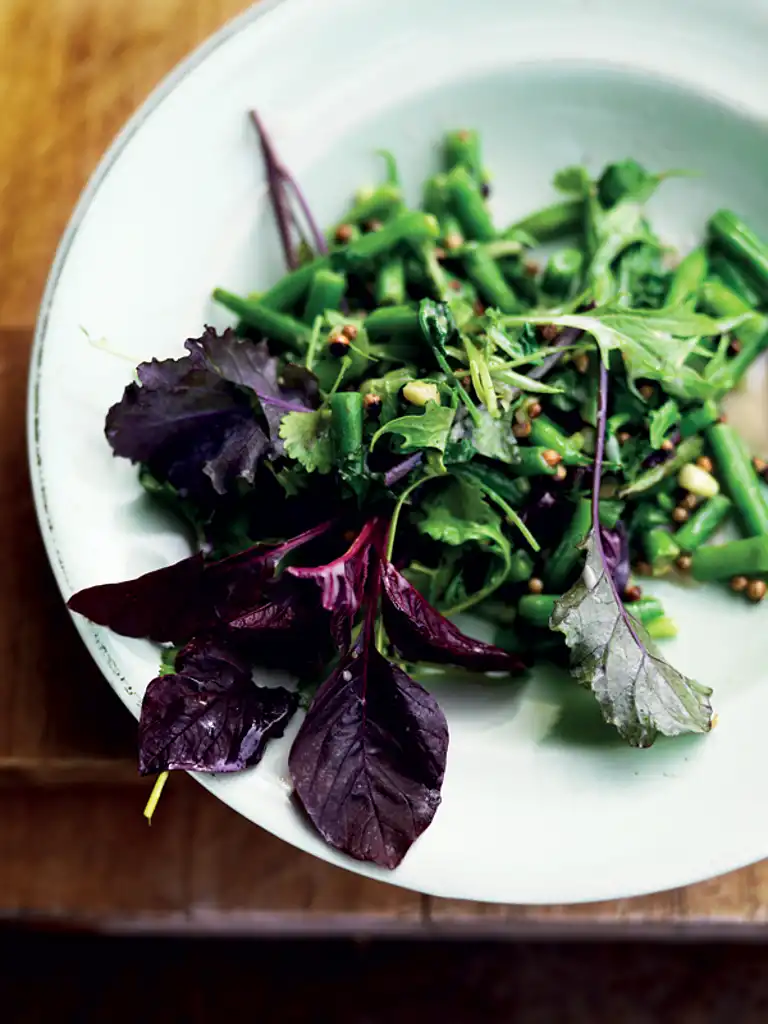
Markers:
{"x": 307, "y": 439}
{"x": 429, "y": 429}
{"x": 662, "y": 420}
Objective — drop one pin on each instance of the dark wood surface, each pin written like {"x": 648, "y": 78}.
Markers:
{"x": 74, "y": 847}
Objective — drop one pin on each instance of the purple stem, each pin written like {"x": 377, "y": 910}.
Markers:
{"x": 566, "y": 337}
{"x": 280, "y": 403}
{"x": 402, "y": 469}
{"x": 602, "y": 417}
{"x": 280, "y": 182}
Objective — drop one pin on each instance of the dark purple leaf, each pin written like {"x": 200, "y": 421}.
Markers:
{"x": 169, "y": 604}
{"x": 342, "y": 581}
{"x": 239, "y": 456}
{"x": 616, "y": 551}
{"x": 420, "y": 633}
{"x": 209, "y": 716}
{"x": 369, "y": 759}
{"x": 249, "y": 364}
{"x": 176, "y": 602}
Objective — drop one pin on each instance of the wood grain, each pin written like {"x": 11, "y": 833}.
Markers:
{"x": 71, "y": 71}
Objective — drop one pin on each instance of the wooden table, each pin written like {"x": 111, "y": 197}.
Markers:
{"x": 74, "y": 847}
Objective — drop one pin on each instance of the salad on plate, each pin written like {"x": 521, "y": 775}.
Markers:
{"x": 428, "y": 416}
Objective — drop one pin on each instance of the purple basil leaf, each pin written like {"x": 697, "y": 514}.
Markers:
{"x": 209, "y": 716}
{"x": 239, "y": 456}
{"x": 250, "y": 365}
{"x": 616, "y": 550}
{"x": 420, "y": 633}
{"x": 189, "y": 597}
{"x": 342, "y": 582}
{"x": 169, "y": 604}
{"x": 369, "y": 759}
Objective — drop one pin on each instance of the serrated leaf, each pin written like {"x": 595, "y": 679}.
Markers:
{"x": 429, "y": 429}
{"x": 661, "y": 422}
{"x": 306, "y": 439}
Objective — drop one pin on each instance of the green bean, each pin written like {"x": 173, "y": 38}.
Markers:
{"x": 469, "y": 206}
{"x": 747, "y": 557}
{"x": 688, "y": 451}
{"x": 530, "y": 461}
{"x": 741, "y": 243}
{"x": 537, "y": 608}
{"x": 666, "y": 502}
{"x": 563, "y": 272}
{"x": 733, "y": 277}
{"x": 325, "y": 292}
{"x": 661, "y": 549}
{"x": 547, "y": 434}
{"x": 484, "y": 273}
{"x": 742, "y": 361}
{"x": 720, "y": 301}
{"x": 738, "y": 476}
{"x": 390, "y": 282}
{"x": 697, "y": 419}
{"x": 437, "y": 203}
{"x": 293, "y": 286}
{"x": 278, "y": 326}
{"x": 646, "y": 609}
{"x": 688, "y": 278}
{"x": 661, "y": 629}
{"x": 347, "y": 423}
{"x": 392, "y": 320}
{"x": 520, "y": 567}
{"x": 552, "y": 222}
{"x": 462, "y": 149}
{"x": 703, "y": 523}
{"x": 375, "y": 204}
{"x": 647, "y": 516}
{"x": 569, "y": 552}
{"x": 412, "y": 226}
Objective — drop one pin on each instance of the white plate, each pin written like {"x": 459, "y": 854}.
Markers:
{"x": 534, "y": 810}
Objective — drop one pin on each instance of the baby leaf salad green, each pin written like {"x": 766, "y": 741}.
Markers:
{"x": 418, "y": 419}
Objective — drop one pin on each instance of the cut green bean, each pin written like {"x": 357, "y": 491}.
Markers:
{"x": 391, "y": 320}
{"x": 436, "y": 202}
{"x": 699, "y": 418}
{"x": 646, "y": 609}
{"x": 563, "y": 272}
{"x": 742, "y": 244}
{"x": 469, "y": 206}
{"x": 347, "y": 423}
{"x": 374, "y": 204}
{"x": 556, "y": 221}
{"x": 390, "y": 282}
{"x": 720, "y": 301}
{"x": 293, "y": 286}
{"x": 734, "y": 277}
{"x": 413, "y": 226}
{"x": 661, "y": 550}
{"x": 462, "y": 149}
{"x": 537, "y": 608}
{"x": 279, "y": 327}
{"x": 547, "y": 434}
{"x": 569, "y": 552}
{"x": 738, "y": 476}
{"x": 747, "y": 557}
{"x": 520, "y": 567}
{"x": 530, "y": 461}
{"x": 648, "y": 515}
{"x": 703, "y": 523}
{"x": 325, "y": 292}
{"x": 688, "y": 278}
{"x": 484, "y": 273}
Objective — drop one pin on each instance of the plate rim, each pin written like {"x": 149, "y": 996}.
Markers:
{"x": 161, "y": 91}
